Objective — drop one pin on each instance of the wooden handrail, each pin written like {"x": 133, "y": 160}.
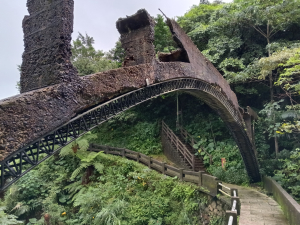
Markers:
{"x": 181, "y": 147}
{"x": 188, "y": 137}
{"x": 209, "y": 183}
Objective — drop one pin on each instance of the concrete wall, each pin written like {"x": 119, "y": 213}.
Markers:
{"x": 289, "y": 206}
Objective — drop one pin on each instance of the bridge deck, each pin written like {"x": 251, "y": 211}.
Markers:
{"x": 258, "y": 208}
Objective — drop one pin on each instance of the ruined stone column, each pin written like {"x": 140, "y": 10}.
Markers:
{"x": 137, "y": 37}
{"x": 47, "y": 41}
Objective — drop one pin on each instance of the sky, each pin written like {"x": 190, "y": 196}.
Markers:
{"x": 94, "y": 17}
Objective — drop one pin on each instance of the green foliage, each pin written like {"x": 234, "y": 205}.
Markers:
{"x": 289, "y": 174}
{"x": 87, "y": 59}
{"x": 6, "y": 219}
{"x": 117, "y": 54}
{"x": 124, "y": 193}
{"x": 163, "y": 40}
{"x": 286, "y": 57}
{"x": 292, "y": 69}
{"x": 234, "y": 171}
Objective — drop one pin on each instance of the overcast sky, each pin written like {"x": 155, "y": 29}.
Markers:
{"x": 96, "y": 18}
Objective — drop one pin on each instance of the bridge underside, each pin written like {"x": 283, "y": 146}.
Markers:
{"x": 21, "y": 161}
{"x": 35, "y": 124}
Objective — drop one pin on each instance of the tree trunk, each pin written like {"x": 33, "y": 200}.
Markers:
{"x": 86, "y": 176}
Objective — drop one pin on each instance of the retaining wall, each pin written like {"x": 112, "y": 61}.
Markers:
{"x": 289, "y": 206}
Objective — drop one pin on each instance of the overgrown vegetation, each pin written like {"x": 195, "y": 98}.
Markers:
{"x": 255, "y": 44}
{"x": 119, "y": 191}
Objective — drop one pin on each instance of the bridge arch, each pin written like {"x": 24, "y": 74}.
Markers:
{"x": 49, "y": 115}
{"x": 81, "y": 124}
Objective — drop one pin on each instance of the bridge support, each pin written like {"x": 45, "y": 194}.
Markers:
{"x": 137, "y": 37}
{"x": 47, "y": 41}
{"x": 35, "y": 125}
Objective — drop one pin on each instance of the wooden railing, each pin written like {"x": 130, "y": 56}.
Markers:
{"x": 189, "y": 157}
{"x": 191, "y": 141}
{"x": 209, "y": 184}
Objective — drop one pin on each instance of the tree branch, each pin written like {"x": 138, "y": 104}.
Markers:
{"x": 261, "y": 32}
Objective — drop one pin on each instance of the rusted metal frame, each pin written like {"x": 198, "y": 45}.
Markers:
{"x": 77, "y": 127}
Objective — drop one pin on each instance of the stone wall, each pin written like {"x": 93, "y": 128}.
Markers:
{"x": 47, "y": 42}
{"x": 212, "y": 208}
{"x": 289, "y": 206}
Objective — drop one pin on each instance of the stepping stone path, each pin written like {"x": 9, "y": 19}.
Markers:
{"x": 258, "y": 208}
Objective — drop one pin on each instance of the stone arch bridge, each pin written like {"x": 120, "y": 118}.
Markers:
{"x": 57, "y": 106}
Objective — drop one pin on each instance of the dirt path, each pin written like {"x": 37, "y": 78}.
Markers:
{"x": 258, "y": 208}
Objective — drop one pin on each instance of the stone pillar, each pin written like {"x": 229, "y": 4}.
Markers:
{"x": 137, "y": 37}
{"x": 47, "y": 42}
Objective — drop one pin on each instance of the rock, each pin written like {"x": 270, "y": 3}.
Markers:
{"x": 214, "y": 204}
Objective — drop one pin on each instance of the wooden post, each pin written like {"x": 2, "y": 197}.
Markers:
{"x": 106, "y": 149}
{"x": 238, "y": 204}
{"x": 149, "y": 162}
{"x": 181, "y": 174}
{"x": 123, "y": 153}
{"x": 233, "y": 214}
{"x": 200, "y": 177}
{"x": 164, "y": 168}
{"x": 138, "y": 157}
{"x": 194, "y": 162}
{"x": 232, "y": 192}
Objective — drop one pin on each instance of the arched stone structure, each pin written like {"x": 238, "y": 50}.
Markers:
{"x": 46, "y": 119}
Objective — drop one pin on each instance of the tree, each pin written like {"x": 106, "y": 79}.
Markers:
{"x": 204, "y": 2}
{"x": 117, "y": 54}
{"x": 87, "y": 59}
{"x": 267, "y": 18}
{"x": 163, "y": 40}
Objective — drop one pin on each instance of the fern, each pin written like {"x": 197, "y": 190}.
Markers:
{"x": 6, "y": 219}
{"x": 20, "y": 209}
{"x": 83, "y": 143}
{"x": 109, "y": 215}
{"x": 73, "y": 188}
{"x": 76, "y": 172}
{"x": 99, "y": 167}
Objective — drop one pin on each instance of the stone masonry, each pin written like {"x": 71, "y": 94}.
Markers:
{"x": 47, "y": 38}
{"x": 60, "y": 95}
{"x": 258, "y": 208}
{"x": 137, "y": 37}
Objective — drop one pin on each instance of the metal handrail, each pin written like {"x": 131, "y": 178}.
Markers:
{"x": 223, "y": 192}
{"x": 224, "y": 186}
{"x": 233, "y": 208}
{"x": 230, "y": 221}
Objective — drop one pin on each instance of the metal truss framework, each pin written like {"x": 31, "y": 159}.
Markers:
{"x": 23, "y": 160}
